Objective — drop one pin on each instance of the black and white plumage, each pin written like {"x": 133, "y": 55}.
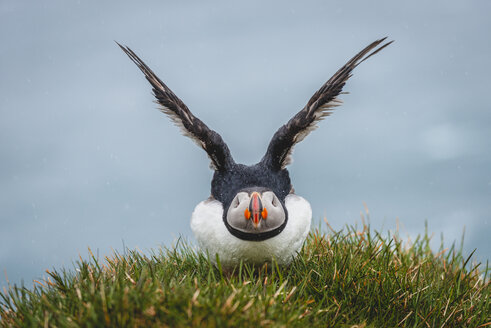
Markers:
{"x": 253, "y": 213}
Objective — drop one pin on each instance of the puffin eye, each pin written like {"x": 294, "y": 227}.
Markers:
{"x": 275, "y": 201}
{"x": 236, "y": 202}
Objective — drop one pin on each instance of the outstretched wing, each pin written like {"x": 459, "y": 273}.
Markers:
{"x": 322, "y": 103}
{"x": 190, "y": 125}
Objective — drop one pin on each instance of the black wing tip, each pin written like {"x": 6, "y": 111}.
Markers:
{"x": 130, "y": 53}
{"x": 379, "y": 41}
{"x": 384, "y": 45}
{"x": 373, "y": 48}
{"x": 149, "y": 74}
{"x": 125, "y": 48}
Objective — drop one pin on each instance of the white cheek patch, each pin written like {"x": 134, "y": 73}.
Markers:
{"x": 235, "y": 215}
{"x": 276, "y": 213}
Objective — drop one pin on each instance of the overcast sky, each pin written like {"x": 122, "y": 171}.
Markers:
{"x": 86, "y": 160}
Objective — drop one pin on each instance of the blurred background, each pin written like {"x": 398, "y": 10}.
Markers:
{"x": 86, "y": 159}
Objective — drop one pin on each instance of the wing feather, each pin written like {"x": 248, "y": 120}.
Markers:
{"x": 320, "y": 105}
{"x": 179, "y": 113}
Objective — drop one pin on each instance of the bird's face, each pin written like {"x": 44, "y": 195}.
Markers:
{"x": 256, "y": 212}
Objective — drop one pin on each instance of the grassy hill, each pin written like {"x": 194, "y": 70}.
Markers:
{"x": 340, "y": 279}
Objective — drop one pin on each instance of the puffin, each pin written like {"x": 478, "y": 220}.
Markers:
{"x": 253, "y": 214}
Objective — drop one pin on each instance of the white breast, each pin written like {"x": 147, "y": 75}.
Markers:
{"x": 214, "y": 238}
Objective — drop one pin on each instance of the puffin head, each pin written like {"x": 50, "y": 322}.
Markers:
{"x": 255, "y": 214}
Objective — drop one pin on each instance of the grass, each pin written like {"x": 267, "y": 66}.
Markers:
{"x": 347, "y": 278}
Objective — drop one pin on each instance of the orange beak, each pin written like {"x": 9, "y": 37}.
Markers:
{"x": 255, "y": 211}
